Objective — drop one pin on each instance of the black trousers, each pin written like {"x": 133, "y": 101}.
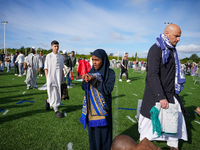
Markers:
{"x": 124, "y": 71}
{"x": 100, "y": 138}
{"x": 16, "y": 69}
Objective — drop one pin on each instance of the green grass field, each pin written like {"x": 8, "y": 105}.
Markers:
{"x": 28, "y": 126}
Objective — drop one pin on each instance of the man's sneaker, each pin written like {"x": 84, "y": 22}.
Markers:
{"x": 16, "y": 74}
{"x": 58, "y": 114}
{"x": 19, "y": 75}
{"x": 69, "y": 87}
{"x": 47, "y": 105}
{"x": 128, "y": 80}
{"x": 120, "y": 80}
{"x": 72, "y": 84}
{"x": 28, "y": 87}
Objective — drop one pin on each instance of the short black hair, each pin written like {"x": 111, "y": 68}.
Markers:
{"x": 126, "y": 53}
{"x": 20, "y": 51}
{"x": 54, "y": 42}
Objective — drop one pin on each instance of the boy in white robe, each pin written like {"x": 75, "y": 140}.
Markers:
{"x": 33, "y": 60}
{"x": 54, "y": 65}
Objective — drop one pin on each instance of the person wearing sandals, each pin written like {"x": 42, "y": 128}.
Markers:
{"x": 54, "y": 65}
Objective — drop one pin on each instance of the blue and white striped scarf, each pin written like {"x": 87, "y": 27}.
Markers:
{"x": 163, "y": 43}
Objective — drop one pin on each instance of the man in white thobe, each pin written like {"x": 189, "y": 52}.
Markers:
{"x": 54, "y": 65}
{"x": 33, "y": 61}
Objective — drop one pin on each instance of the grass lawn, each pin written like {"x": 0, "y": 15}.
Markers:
{"x": 29, "y": 126}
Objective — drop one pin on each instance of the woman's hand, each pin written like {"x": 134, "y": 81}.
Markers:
{"x": 88, "y": 78}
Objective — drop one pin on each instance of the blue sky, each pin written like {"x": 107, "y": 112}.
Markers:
{"x": 117, "y": 26}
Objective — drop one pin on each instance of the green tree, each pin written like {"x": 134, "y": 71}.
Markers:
{"x": 194, "y": 58}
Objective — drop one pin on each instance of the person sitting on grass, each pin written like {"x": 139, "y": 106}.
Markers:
{"x": 97, "y": 106}
{"x": 54, "y": 65}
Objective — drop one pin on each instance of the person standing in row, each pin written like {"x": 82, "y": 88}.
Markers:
{"x": 1, "y": 61}
{"x": 124, "y": 68}
{"x": 164, "y": 81}
{"x": 16, "y": 69}
{"x": 73, "y": 59}
{"x": 20, "y": 61}
{"x": 67, "y": 68}
{"x": 33, "y": 61}
{"x": 53, "y": 68}
{"x": 7, "y": 62}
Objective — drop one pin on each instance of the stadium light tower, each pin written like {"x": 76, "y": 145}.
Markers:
{"x": 4, "y": 22}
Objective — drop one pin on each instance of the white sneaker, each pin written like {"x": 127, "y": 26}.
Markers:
{"x": 16, "y": 74}
{"x": 41, "y": 75}
{"x": 19, "y": 75}
{"x": 120, "y": 80}
{"x": 24, "y": 74}
{"x": 69, "y": 87}
{"x": 128, "y": 80}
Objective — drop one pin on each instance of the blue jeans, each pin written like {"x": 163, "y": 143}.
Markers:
{"x": 68, "y": 79}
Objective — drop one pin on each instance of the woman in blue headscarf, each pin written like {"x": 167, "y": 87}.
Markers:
{"x": 97, "y": 105}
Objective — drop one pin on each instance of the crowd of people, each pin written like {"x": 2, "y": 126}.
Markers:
{"x": 164, "y": 82}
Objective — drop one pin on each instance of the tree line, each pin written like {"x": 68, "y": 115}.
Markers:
{"x": 192, "y": 58}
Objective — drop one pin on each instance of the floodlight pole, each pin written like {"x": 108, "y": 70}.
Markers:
{"x": 4, "y": 22}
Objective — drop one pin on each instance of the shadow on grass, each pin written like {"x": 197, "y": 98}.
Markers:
{"x": 133, "y": 132}
{"x": 11, "y": 99}
{"x": 17, "y": 85}
{"x": 189, "y": 126}
{"x": 15, "y": 106}
{"x": 114, "y": 97}
{"x": 182, "y": 98}
{"x": 71, "y": 108}
{"x": 135, "y": 78}
{"x": 20, "y": 115}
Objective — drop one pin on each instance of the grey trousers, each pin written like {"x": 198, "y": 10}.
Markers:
{"x": 20, "y": 65}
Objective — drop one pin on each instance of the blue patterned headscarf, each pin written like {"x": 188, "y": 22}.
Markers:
{"x": 164, "y": 44}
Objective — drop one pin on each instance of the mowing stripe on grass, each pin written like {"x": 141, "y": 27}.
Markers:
{"x": 192, "y": 88}
{"x": 69, "y": 146}
{"x": 188, "y": 93}
{"x": 127, "y": 108}
{"x": 2, "y": 110}
{"x": 197, "y": 122}
{"x": 134, "y": 94}
{"x": 25, "y": 101}
{"x": 5, "y": 112}
{"x": 131, "y": 119}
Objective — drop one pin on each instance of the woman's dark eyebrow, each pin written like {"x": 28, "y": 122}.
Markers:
{"x": 95, "y": 59}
